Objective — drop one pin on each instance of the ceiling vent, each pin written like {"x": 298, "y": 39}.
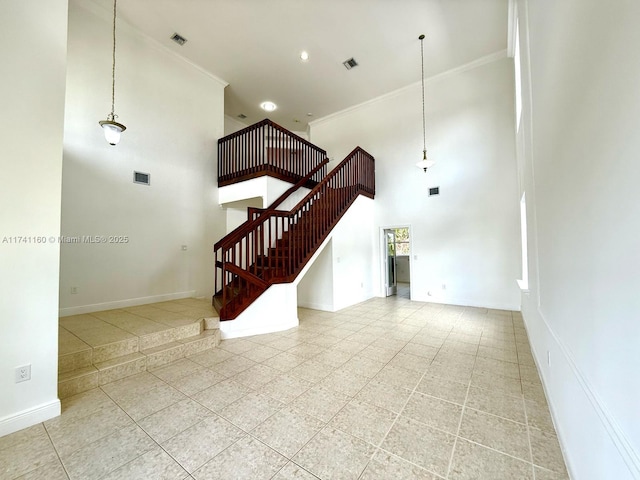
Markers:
{"x": 179, "y": 39}
{"x": 434, "y": 191}
{"x": 242, "y": 115}
{"x": 349, "y": 64}
{"x": 142, "y": 178}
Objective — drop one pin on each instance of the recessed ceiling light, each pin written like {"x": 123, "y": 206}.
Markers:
{"x": 268, "y": 106}
{"x": 304, "y": 56}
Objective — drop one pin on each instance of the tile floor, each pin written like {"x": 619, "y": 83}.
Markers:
{"x": 387, "y": 389}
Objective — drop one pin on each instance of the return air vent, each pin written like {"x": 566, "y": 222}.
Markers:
{"x": 434, "y": 191}
{"x": 142, "y": 178}
{"x": 349, "y": 64}
{"x": 179, "y": 39}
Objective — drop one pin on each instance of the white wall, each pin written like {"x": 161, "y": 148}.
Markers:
{"x": 342, "y": 274}
{"x": 232, "y": 125}
{"x": 257, "y": 192}
{"x": 579, "y": 151}
{"x": 31, "y": 132}
{"x": 315, "y": 288}
{"x": 467, "y": 237}
{"x": 174, "y": 116}
{"x": 354, "y": 252}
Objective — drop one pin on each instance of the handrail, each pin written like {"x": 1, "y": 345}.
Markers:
{"x": 266, "y": 148}
{"x": 276, "y": 245}
{"x": 300, "y": 183}
{"x": 237, "y": 232}
{"x": 248, "y": 275}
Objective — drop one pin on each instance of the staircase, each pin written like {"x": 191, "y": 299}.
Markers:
{"x": 273, "y": 246}
{"x": 101, "y": 347}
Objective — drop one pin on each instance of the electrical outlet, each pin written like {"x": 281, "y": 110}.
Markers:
{"x": 444, "y": 286}
{"x": 23, "y": 373}
{"x": 74, "y": 290}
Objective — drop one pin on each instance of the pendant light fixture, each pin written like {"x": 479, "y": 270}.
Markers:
{"x": 424, "y": 163}
{"x": 111, "y": 128}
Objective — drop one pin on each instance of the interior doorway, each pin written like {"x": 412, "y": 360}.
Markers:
{"x": 390, "y": 267}
{"x": 396, "y": 259}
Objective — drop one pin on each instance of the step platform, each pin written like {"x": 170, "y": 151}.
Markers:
{"x": 100, "y": 347}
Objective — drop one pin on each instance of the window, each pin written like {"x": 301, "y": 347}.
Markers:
{"x": 402, "y": 241}
{"x": 518, "y": 77}
{"x": 524, "y": 283}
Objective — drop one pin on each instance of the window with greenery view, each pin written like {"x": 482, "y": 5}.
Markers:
{"x": 402, "y": 241}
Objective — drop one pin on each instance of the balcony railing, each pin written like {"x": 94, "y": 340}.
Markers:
{"x": 266, "y": 148}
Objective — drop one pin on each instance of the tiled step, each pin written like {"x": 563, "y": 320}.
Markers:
{"x": 73, "y": 352}
{"x": 163, "y": 354}
{"x": 120, "y": 367}
{"x": 199, "y": 343}
{"x": 118, "y": 348}
{"x": 77, "y": 381}
{"x": 99, "y": 348}
{"x": 101, "y": 373}
{"x": 75, "y": 360}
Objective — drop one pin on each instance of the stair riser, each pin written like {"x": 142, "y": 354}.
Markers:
{"x": 81, "y": 384}
{"x": 166, "y": 356}
{"x": 103, "y": 353}
{"x": 156, "y": 339}
{"x": 73, "y": 361}
{"x": 189, "y": 330}
{"x": 201, "y": 345}
{"x": 118, "y": 372}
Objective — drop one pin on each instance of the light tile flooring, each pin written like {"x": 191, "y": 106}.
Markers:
{"x": 387, "y": 389}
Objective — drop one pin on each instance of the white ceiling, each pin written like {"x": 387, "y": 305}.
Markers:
{"x": 255, "y": 45}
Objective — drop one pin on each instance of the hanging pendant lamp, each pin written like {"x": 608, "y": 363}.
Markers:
{"x": 111, "y": 128}
{"x": 425, "y": 162}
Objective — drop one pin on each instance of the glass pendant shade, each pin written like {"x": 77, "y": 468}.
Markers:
{"x": 425, "y": 162}
{"x": 112, "y": 131}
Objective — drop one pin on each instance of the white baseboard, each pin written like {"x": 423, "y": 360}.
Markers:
{"x": 29, "y": 417}
{"x": 131, "y": 302}
{"x": 325, "y": 307}
{"x": 464, "y": 302}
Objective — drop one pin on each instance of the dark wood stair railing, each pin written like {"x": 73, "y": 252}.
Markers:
{"x": 266, "y": 148}
{"x": 274, "y": 246}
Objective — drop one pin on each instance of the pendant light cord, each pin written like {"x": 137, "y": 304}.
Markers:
{"x": 424, "y": 134}
{"x": 113, "y": 67}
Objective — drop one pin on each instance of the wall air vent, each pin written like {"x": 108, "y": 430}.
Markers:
{"x": 434, "y": 191}
{"x": 349, "y": 64}
{"x": 142, "y": 178}
{"x": 179, "y": 39}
